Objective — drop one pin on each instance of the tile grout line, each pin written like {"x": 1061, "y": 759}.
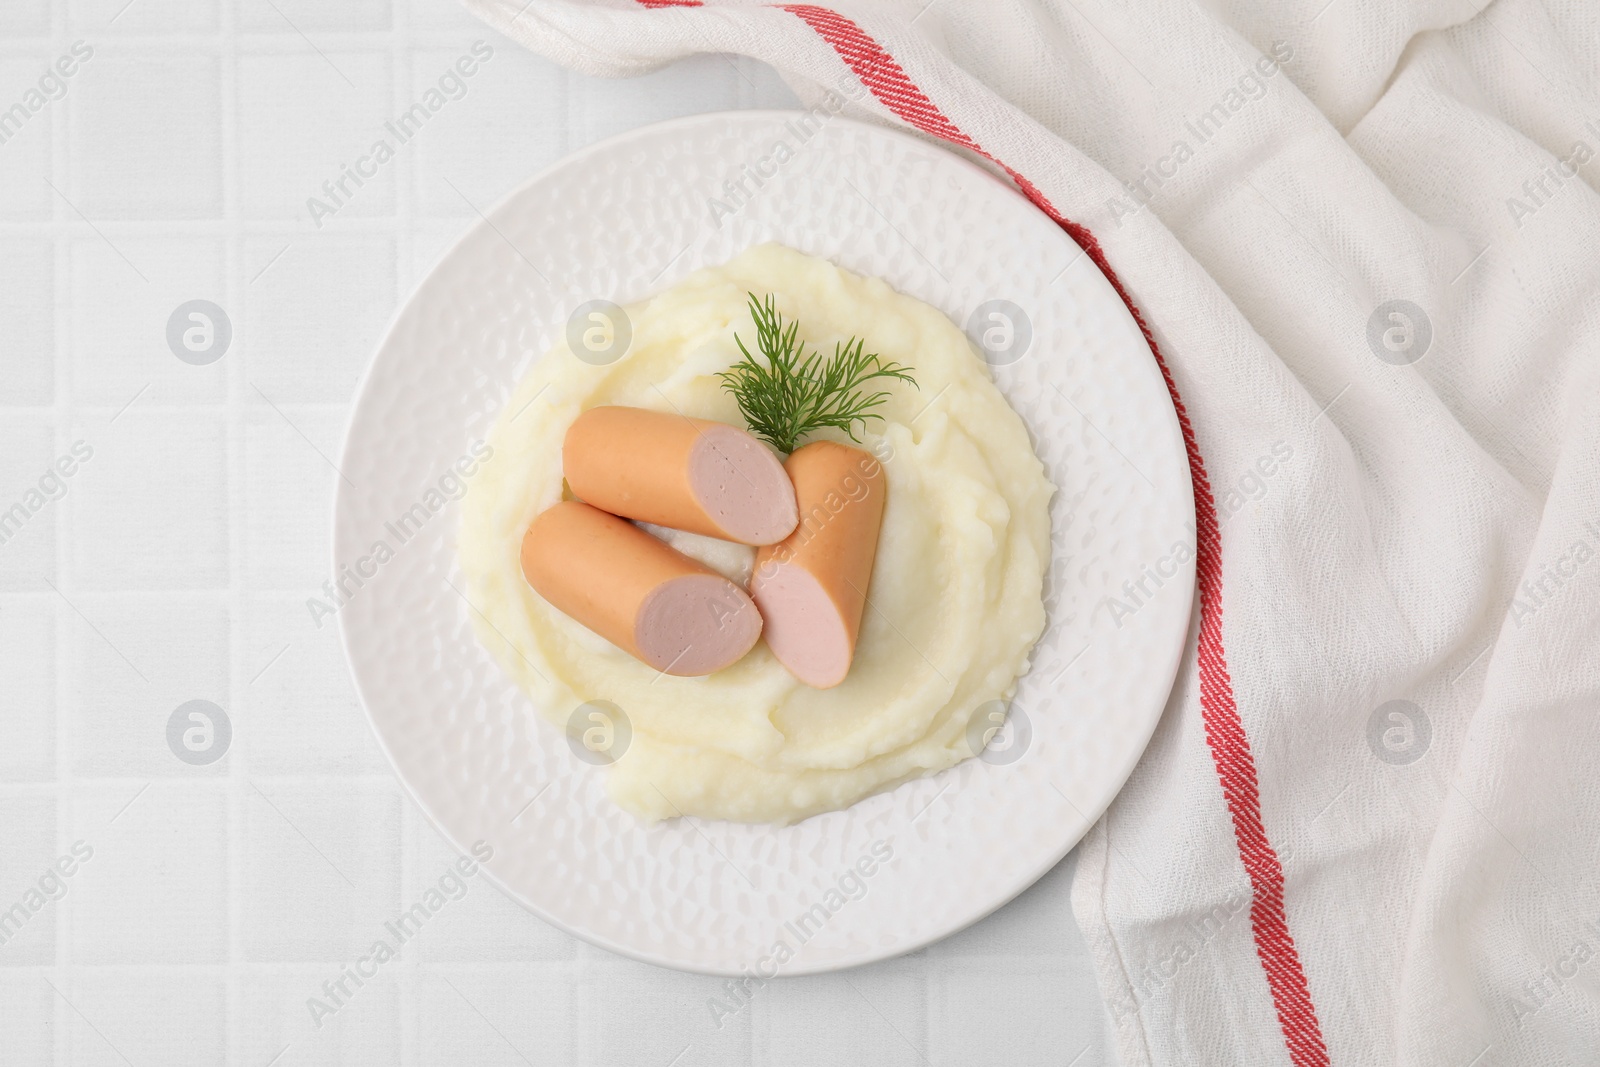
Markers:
{"x": 228, "y": 113}
{"x": 65, "y": 794}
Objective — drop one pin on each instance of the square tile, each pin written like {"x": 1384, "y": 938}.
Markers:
{"x": 31, "y": 490}
{"x": 635, "y": 1013}
{"x": 28, "y": 1006}
{"x": 1037, "y": 925}
{"x": 484, "y": 925}
{"x": 28, "y": 664}
{"x": 103, "y": 17}
{"x": 500, "y": 1017}
{"x": 150, "y": 508}
{"x": 601, "y": 107}
{"x": 175, "y": 1020}
{"x": 156, "y": 888}
{"x": 118, "y": 719}
{"x": 310, "y": 16}
{"x": 315, "y": 316}
{"x": 121, "y": 349}
{"x": 25, "y": 18}
{"x": 28, "y": 319}
{"x": 297, "y": 709}
{"x": 286, "y": 544}
{"x": 276, "y": 1011}
{"x": 30, "y": 886}
{"x": 872, "y": 1018}
{"x": 321, "y": 870}
{"x": 146, "y": 136}
{"x": 998, "y": 1013}
{"x": 477, "y": 143}
{"x": 301, "y": 125}
{"x": 444, "y": 15}
{"x": 26, "y": 136}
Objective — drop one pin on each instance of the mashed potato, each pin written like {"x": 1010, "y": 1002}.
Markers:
{"x": 955, "y": 603}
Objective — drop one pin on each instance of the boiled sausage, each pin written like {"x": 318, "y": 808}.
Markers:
{"x": 690, "y": 474}
{"x": 811, "y": 588}
{"x": 649, "y": 600}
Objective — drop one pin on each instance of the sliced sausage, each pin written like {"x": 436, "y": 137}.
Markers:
{"x": 691, "y": 474}
{"x": 649, "y": 600}
{"x": 811, "y": 588}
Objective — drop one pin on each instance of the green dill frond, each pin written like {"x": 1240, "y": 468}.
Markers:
{"x": 788, "y": 393}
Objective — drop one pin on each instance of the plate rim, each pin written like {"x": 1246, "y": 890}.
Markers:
{"x": 797, "y": 968}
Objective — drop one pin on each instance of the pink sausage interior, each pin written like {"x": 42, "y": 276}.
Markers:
{"x": 695, "y": 625}
{"x": 803, "y": 627}
{"x": 742, "y": 486}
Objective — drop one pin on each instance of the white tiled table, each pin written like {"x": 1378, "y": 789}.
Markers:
{"x": 175, "y": 563}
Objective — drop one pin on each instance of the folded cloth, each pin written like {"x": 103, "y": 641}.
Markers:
{"x": 1361, "y": 236}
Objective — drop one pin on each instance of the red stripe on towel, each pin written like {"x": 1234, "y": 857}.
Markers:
{"x": 1230, "y": 748}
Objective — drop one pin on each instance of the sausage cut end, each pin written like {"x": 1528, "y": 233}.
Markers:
{"x": 741, "y": 485}
{"x": 695, "y": 625}
{"x": 803, "y": 626}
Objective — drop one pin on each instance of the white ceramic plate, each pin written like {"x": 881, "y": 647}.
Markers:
{"x": 620, "y": 221}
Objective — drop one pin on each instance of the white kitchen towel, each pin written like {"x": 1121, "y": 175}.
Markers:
{"x": 1361, "y": 235}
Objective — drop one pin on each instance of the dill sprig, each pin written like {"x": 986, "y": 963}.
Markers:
{"x": 789, "y": 393}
